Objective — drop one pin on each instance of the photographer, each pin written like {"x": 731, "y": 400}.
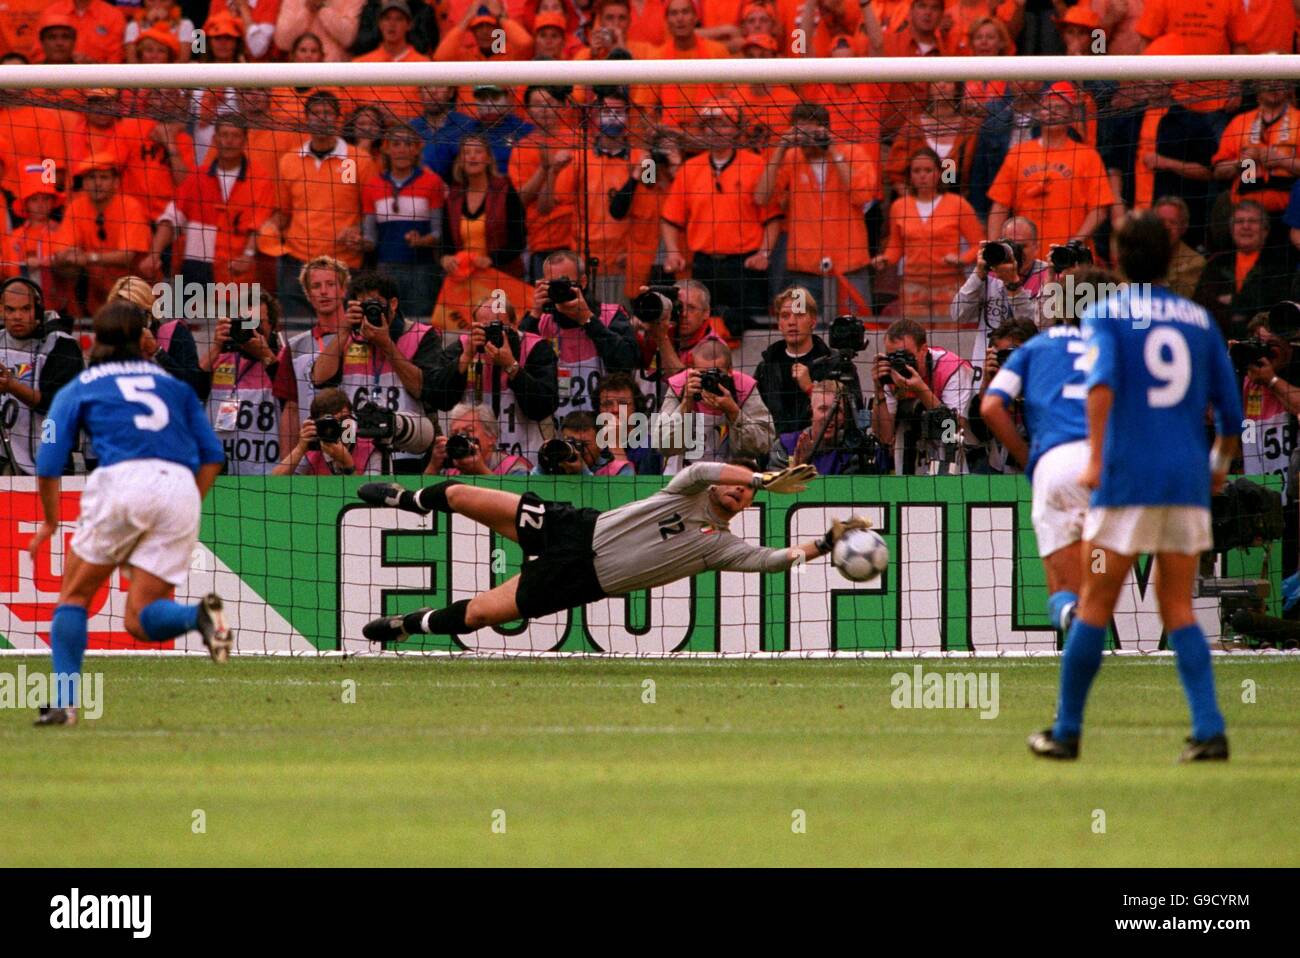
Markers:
{"x": 784, "y": 372}
{"x": 617, "y": 399}
{"x": 327, "y": 443}
{"x": 473, "y": 447}
{"x": 912, "y": 379}
{"x": 727, "y": 403}
{"x": 827, "y": 424}
{"x": 1006, "y": 283}
{"x": 512, "y": 375}
{"x": 36, "y": 361}
{"x": 241, "y": 365}
{"x": 381, "y": 357}
{"x": 590, "y": 338}
{"x": 1265, "y": 361}
{"x": 674, "y": 320}
{"x": 991, "y": 456}
{"x": 577, "y": 453}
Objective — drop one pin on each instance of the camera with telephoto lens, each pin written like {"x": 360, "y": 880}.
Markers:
{"x": 1247, "y": 352}
{"x": 716, "y": 382}
{"x": 996, "y": 252}
{"x": 1073, "y": 253}
{"x": 403, "y": 431}
{"x": 375, "y": 311}
{"x": 328, "y": 429}
{"x": 461, "y": 445}
{"x": 847, "y": 334}
{"x": 555, "y": 453}
{"x": 657, "y": 304}
{"x": 495, "y": 333}
{"x": 901, "y": 361}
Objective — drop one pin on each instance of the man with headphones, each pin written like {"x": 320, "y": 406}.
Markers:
{"x": 36, "y": 361}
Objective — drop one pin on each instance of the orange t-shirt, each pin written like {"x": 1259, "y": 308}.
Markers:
{"x": 123, "y": 225}
{"x": 1246, "y": 128}
{"x": 956, "y": 40}
{"x": 144, "y": 166}
{"x": 925, "y": 241}
{"x": 403, "y": 101}
{"x": 322, "y": 198}
{"x": 648, "y": 23}
{"x": 33, "y": 134}
{"x": 1205, "y": 26}
{"x": 857, "y": 110}
{"x": 679, "y": 103}
{"x": 717, "y": 208}
{"x": 1055, "y": 188}
{"x": 1243, "y": 263}
{"x": 823, "y": 213}
{"x": 557, "y": 229}
{"x": 1272, "y": 25}
{"x": 767, "y": 109}
{"x": 101, "y": 29}
{"x": 18, "y": 26}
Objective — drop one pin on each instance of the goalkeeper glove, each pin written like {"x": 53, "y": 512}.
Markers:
{"x": 837, "y": 529}
{"x": 789, "y": 479}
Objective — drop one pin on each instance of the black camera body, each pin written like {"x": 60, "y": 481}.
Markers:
{"x": 1247, "y": 352}
{"x": 1004, "y": 354}
{"x": 328, "y": 429}
{"x": 901, "y": 361}
{"x": 1073, "y": 253}
{"x": 716, "y": 382}
{"x": 938, "y": 425}
{"x": 375, "y": 311}
{"x": 657, "y": 304}
{"x": 461, "y": 446}
{"x": 555, "y": 453}
{"x": 996, "y": 252}
{"x": 561, "y": 290}
{"x": 847, "y": 334}
{"x": 495, "y": 333}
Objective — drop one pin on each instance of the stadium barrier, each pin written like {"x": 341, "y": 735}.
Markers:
{"x": 303, "y": 565}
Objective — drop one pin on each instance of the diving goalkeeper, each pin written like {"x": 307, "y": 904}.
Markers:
{"x": 576, "y": 556}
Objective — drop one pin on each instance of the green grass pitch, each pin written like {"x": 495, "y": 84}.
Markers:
{"x": 478, "y": 762}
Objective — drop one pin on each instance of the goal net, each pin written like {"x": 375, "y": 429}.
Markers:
{"x": 254, "y": 202}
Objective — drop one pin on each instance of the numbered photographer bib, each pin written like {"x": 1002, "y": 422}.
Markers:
{"x": 245, "y": 414}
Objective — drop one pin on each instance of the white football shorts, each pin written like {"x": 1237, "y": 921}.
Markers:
{"x": 1131, "y": 530}
{"x": 1060, "y": 501}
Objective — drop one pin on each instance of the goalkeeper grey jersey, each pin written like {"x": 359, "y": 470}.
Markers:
{"x": 672, "y": 535}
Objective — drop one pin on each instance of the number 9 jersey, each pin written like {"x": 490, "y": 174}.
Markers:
{"x": 1165, "y": 360}
{"x": 131, "y": 410}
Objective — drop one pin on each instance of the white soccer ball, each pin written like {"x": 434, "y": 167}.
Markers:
{"x": 860, "y": 555}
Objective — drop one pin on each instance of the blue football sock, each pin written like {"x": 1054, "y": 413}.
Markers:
{"x": 1060, "y": 604}
{"x": 1079, "y": 665}
{"x": 164, "y": 619}
{"x": 1195, "y": 670}
{"x": 68, "y": 644}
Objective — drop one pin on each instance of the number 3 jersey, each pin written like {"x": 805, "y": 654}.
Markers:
{"x": 245, "y": 413}
{"x": 130, "y": 410}
{"x": 1165, "y": 360}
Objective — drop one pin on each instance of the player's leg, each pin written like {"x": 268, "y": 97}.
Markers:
{"x": 1175, "y": 575}
{"x": 493, "y": 508}
{"x": 1064, "y": 573}
{"x": 1060, "y": 503}
{"x": 467, "y": 615}
{"x": 152, "y": 615}
{"x": 68, "y": 636}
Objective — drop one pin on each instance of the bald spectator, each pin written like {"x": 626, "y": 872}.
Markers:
{"x": 334, "y": 22}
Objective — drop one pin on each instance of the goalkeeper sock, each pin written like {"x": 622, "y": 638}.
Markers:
{"x": 430, "y": 497}
{"x": 164, "y": 619}
{"x": 1079, "y": 665}
{"x": 1061, "y": 608}
{"x": 68, "y": 646}
{"x": 448, "y": 621}
{"x": 1197, "y": 674}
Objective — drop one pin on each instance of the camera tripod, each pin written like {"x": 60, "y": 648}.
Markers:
{"x": 855, "y": 438}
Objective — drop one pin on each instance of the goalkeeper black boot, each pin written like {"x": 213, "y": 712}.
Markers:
{"x": 217, "y": 635}
{"x": 55, "y": 716}
{"x": 1044, "y": 745}
{"x": 1212, "y": 749}
{"x": 385, "y": 630}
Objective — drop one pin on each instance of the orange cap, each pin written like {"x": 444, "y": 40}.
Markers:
{"x": 99, "y": 160}
{"x": 551, "y": 19}
{"x": 1171, "y": 44}
{"x": 1080, "y": 16}
{"x": 1064, "y": 90}
{"x": 31, "y": 182}
{"x": 222, "y": 24}
{"x": 763, "y": 41}
{"x": 165, "y": 37}
{"x": 50, "y": 19}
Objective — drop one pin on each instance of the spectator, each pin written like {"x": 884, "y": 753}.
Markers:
{"x": 784, "y": 374}
{"x": 224, "y": 43}
{"x": 386, "y": 362}
{"x": 401, "y": 103}
{"x": 257, "y": 18}
{"x": 713, "y": 214}
{"x": 36, "y": 361}
{"x": 768, "y": 104}
{"x": 613, "y": 29}
{"x": 485, "y": 33}
{"x": 483, "y": 236}
{"x": 1251, "y": 277}
{"x": 1055, "y": 180}
{"x": 319, "y": 208}
{"x": 579, "y": 428}
{"x": 1081, "y": 31}
{"x": 717, "y": 423}
{"x": 919, "y": 36}
{"x": 103, "y": 234}
{"x": 1257, "y": 152}
{"x": 487, "y": 452}
{"x": 545, "y": 175}
{"x": 591, "y": 338}
{"x": 57, "y": 34}
{"x": 324, "y": 281}
{"x": 822, "y": 184}
{"x": 676, "y": 105}
{"x": 492, "y": 118}
{"x": 935, "y": 377}
{"x": 441, "y": 127}
{"x": 1186, "y": 265}
{"x": 100, "y": 28}
{"x": 156, "y": 31}
{"x": 1012, "y": 120}
{"x": 30, "y": 247}
{"x": 1213, "y": 28}
{"x": 423, "y": 32}
{"x": 549, "y": 36}
{"x": 364, "y": 129}
{"x": 312, "y": 456}
{"x": 988, "y": 37}
{"x": 617, "y": 399}
{"x": 217, "y": 212}
{"x": 667, "y": 346}
{"x": 511, "y": 375}
{"x": 172, "y": 344}
{"x": 821, "y": 442}
{"x": 944, "y": 127}
{"x": 403, "y": 220}
{"x": 242, "y": 406}
{"x": 991, "y": 457}
{"x": 964, "y": 18}
{"x": 334, "y": 23}
{"x": 927, "y": 228}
